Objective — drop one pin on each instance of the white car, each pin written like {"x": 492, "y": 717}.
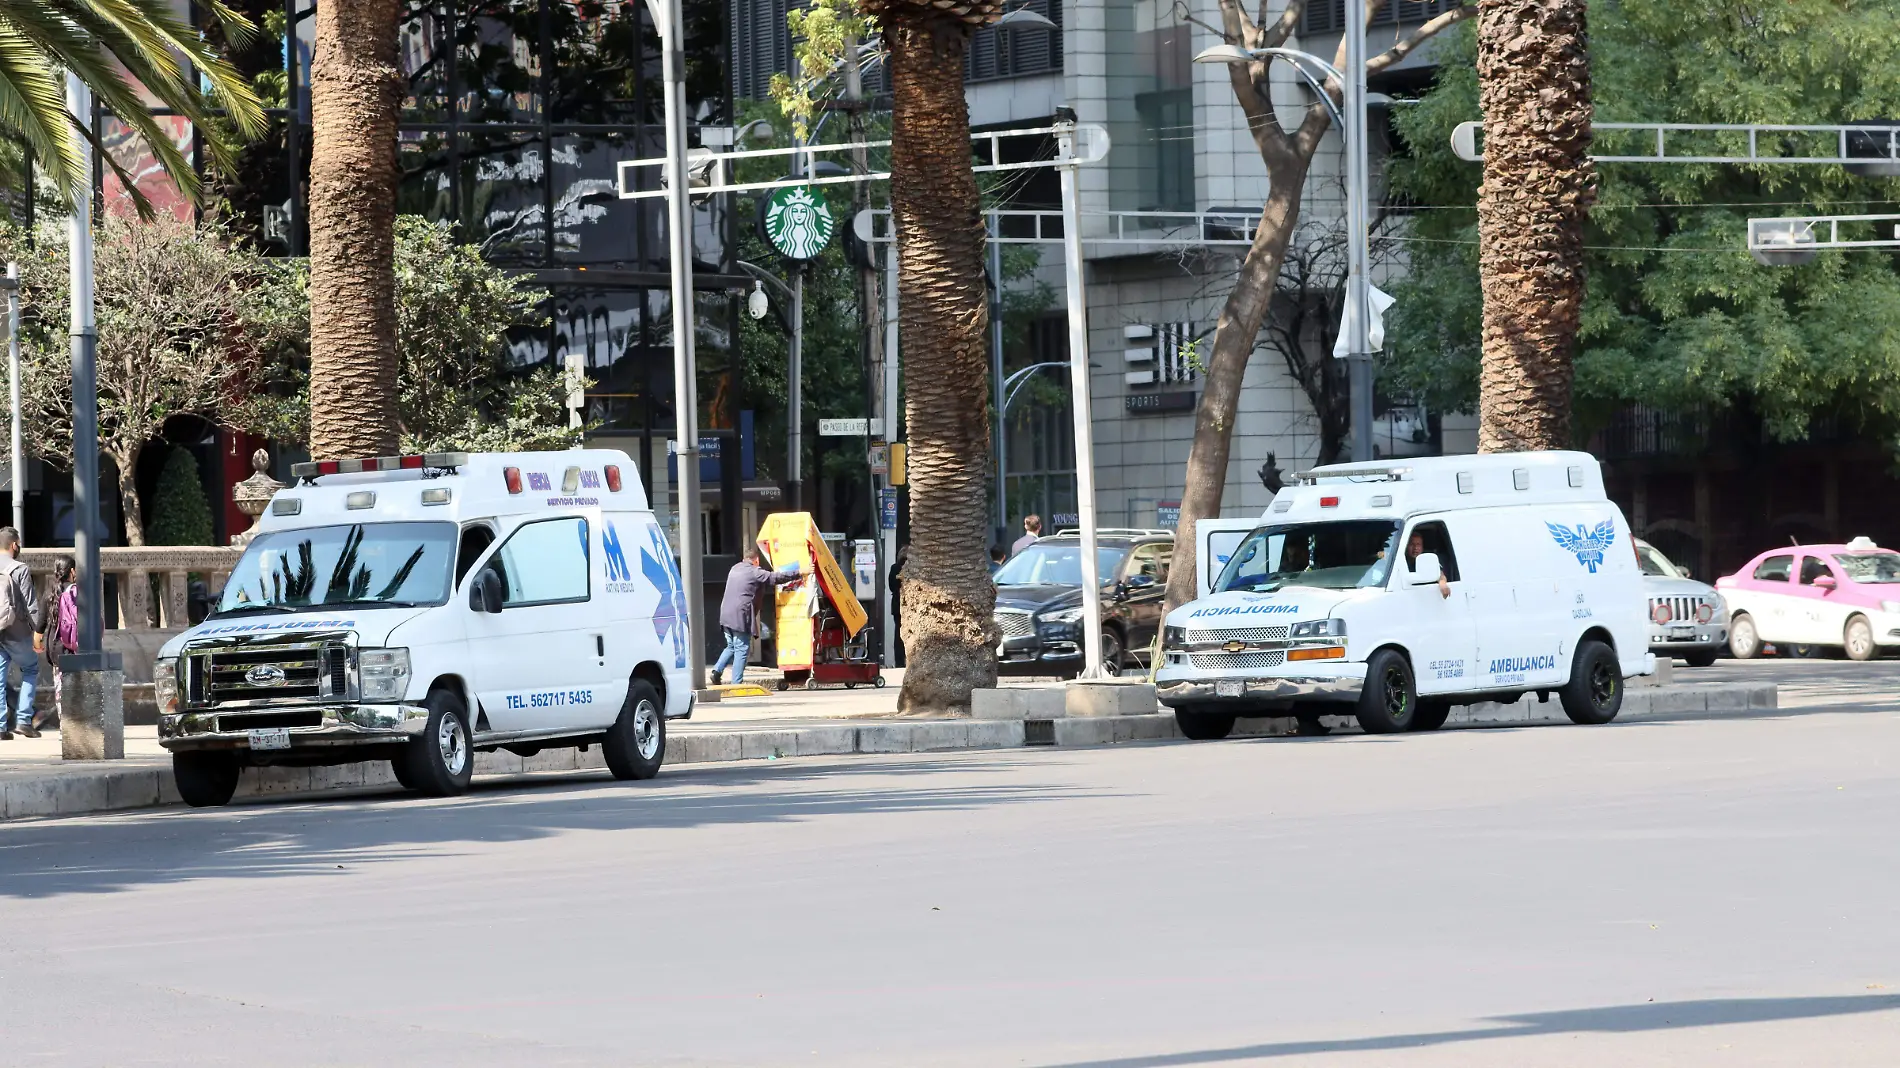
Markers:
{"x": 1395, "y": 592}
{"x": 1687, "y": 619}
{"x": 419, "y": 609}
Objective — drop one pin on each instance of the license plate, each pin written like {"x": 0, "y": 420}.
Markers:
{"x": 1229, "y": 688}
{"x": 273, "y": 738}
{"x": 1682, "y": 632}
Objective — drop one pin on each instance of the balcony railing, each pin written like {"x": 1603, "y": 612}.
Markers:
{"x": 133, "y": 570}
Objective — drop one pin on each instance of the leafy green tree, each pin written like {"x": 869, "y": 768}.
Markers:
{"x": 1676, "y": 315}
{"x": 456, "y": 388}
{"x": 180, "y": 513}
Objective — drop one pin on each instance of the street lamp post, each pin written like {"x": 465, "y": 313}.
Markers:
{"x": 679, "y": 224}
{"x": 1079, "y": 386}
{"x": 92, "y": 727}
{"x": 1351, "y": 119}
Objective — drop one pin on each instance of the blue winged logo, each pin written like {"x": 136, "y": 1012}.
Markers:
{"x": 1586, "y": 543}
{"x": 669, "y": 616}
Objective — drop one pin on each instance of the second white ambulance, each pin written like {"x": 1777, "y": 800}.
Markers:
{"x": 1394, "y": 592}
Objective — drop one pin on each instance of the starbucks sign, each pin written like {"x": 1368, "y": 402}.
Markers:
{"x": 796, "y": 222}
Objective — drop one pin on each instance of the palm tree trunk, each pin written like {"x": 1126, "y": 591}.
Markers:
{"x": 1234, "y": 338}
{"x": 355, "y": 92}
{"x": 1534, "y": 90}
{"x": 947, "y": 594}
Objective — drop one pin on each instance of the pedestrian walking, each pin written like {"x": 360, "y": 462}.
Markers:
{"x": 19, "y": 629}
{"x": 1032, "y": 530}
{"x": 746, "y": 583}
{"x": 894, "y": 582}
{"x": 999, "y": 555}
{"x": 59, "y": 626}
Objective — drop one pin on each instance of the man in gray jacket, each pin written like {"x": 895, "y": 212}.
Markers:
{"x": 739, "y": 612}
{"x": 19, "y": 622}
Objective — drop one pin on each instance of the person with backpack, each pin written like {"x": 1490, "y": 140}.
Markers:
{"x": 59, "y": 629}
{"x": 19, "y": 631}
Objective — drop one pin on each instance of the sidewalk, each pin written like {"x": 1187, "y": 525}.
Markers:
{"x": 35, "y": 782}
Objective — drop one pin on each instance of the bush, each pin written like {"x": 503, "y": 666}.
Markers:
{"x": 180, "y": 513}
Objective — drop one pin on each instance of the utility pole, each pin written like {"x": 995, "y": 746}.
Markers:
{"x": 92, "y": 718}
{"x": 1000, "y": 435}
{"x": 13, "y": 397}
{"x": 1359, "y": 266}
{"x": 679, "y": 232}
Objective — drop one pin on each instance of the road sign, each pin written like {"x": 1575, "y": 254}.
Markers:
{"x": 796, "y": 222}
{"x": 850, "y": 428}
{"x": 887, "y": 509}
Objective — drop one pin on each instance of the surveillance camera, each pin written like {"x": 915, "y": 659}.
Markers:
{"x": 756, "y": 303}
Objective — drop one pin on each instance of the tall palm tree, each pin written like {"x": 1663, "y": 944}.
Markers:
{"x": 947, "y": 593}
{"x": 355, "y": 93}
{"x": 1534, "y": 91}
{"x": 118, "y": 47}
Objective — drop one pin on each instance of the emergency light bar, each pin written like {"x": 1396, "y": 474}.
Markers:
{"x": 310, "y": 471}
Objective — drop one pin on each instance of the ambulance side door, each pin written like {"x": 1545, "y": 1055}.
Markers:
{"x": 536, "y": 662}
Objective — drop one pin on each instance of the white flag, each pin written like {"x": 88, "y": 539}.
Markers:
{"x": 1379, "y": 300}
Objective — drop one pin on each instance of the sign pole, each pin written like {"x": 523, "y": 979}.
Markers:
{"x": 13, "y": 397}
{"x": 1079, "y": 386}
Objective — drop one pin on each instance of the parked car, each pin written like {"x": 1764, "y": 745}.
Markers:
{"x": 1686, "y": 618}
{"x": 1039, "y": 601}
{"x": 1841, "y": 596}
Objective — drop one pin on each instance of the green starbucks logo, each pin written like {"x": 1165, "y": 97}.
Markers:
{"x": 797, "y": 222}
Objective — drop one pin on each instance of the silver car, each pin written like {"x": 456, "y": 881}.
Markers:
{"x": 1687, "y": 618}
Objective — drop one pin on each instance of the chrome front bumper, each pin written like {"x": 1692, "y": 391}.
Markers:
{"x": 1256, "y": 690}
{"x": 339, "y": 725}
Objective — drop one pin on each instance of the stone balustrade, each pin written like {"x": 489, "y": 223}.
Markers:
{"x": 134, "y": 567}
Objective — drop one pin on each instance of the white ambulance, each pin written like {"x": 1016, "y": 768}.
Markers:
{"x": 420, "y": 609}
{"x": 1396, "y": 592}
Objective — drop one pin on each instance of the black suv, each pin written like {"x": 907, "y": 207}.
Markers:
{"x": 1039, "y": 601}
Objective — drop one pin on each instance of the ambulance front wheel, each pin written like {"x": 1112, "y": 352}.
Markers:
{"x": 1202, "y": 726}
{"x": 635, "y": 745}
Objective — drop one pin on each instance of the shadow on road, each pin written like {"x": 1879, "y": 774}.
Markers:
{"x": 298, "y": 837}
{"x": 1614, "y": 1019}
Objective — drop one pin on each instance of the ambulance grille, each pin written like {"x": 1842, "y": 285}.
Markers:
{"x": 1232, "y": 661}
{"x": 1242, "y": 634}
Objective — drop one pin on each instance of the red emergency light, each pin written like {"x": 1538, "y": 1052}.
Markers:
{"x": 512, "y": 476}
{"x": 438, "y": 461}
{"x": 1329, "y": 502}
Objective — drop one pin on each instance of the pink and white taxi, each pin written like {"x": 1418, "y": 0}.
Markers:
{"x": 1844, "y": 596}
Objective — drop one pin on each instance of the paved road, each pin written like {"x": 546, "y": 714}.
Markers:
{"x": 1655, "y": 893}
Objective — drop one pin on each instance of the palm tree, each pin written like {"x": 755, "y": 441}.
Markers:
{"x": 1534, "y": 91}
{"x": 118, "y": 47}
{"x": 355, "y": 92}
{"x": 947, "y": 593}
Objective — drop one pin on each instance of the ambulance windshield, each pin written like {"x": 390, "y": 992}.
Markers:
{"x": 363, "y": 565}
{"x": 1335, "y": 556}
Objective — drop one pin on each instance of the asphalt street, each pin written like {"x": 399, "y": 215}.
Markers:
{"x": 1687, "y": 892}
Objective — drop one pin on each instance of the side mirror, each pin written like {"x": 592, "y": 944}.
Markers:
{"x": 484, "y": 594}
{"x": 1426, "y": 569}
{"x": 1825, "y": 582}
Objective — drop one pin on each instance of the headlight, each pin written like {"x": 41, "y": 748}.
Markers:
{"x": 1173, "y": 637}
{"x": 383, "y": 673}
{"x": 165, "y": 686}
{"x": 1318, "y": 628}
{"x": 1707, "y": 610}
{"x": 1064, "y": 615}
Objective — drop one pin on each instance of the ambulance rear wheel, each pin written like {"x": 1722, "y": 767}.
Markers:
{"x": 206, "y": 779}
{"x": 1389, "y": 702}
{"x": 1203, "y": 726}
{"x": 440, "y": 759}
{"x": 635, "y": 745}
{"x": 1594, "y": 693}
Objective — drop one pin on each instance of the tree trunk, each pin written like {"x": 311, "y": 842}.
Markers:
{"x": 1234, "y": 338}
{"x": 1534, "y": 91}
{"x": 129, "y": 507}
{"x": 355, "y": 91}
{"x": 947, "y": 594}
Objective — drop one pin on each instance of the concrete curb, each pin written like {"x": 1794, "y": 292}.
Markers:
{"x": 76, "y": 789}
